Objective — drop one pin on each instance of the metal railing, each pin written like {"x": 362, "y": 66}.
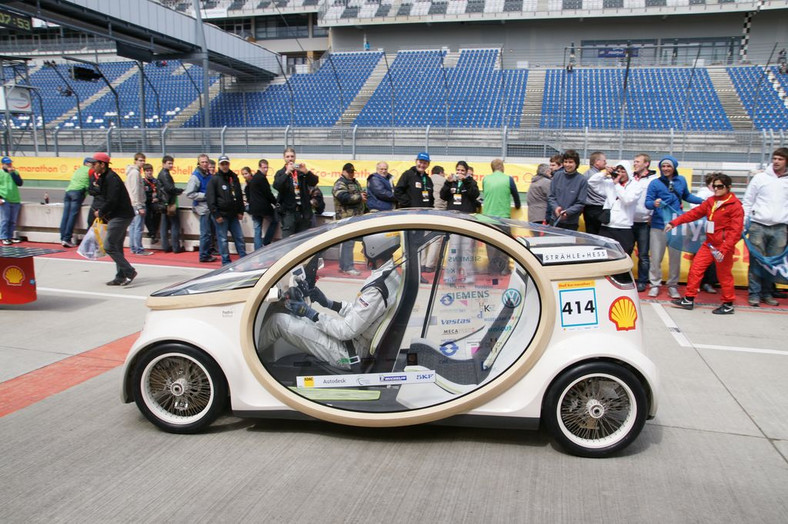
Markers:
{"x": 452, "y": 143}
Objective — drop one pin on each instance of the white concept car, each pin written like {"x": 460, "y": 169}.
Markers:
{"x": 407, "y": 317}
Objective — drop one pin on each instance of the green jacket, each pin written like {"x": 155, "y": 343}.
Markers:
{"x": 79, "y": 180}
{"x": 9, "y": 186}
{"x": 497, "y": 195}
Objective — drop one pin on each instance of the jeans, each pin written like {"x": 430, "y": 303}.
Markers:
{"x": 9, "y": 213}
{"x": 770, "y": 241}
{"x": 659, "y": 241}
{"x": 233, "y": 225}
{"x": 135, "y": 233}
{"x": 346, "y": 255}
{"x": 641, "y": 231}
{"x": 171, "y": 224}
{"x": 116, "y": 233}
{"x": 72, "y": 203}
{"x": 261, "y": 240}
{"x": 205, "y": 236}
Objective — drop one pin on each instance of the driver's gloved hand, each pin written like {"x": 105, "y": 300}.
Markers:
{"x": 300, "y": 309}
{"x": 320, "y": 297}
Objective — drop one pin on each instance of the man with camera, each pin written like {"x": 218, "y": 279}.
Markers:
{"x": 292, "y": 182}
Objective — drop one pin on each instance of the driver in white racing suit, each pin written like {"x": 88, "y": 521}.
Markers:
{"x": 338, "y": 340}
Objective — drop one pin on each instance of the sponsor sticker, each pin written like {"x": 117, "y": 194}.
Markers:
{"x": 563, "y": 254}
{"x": 623, "y": 314}
{"x": 511, "y": 298}
{"x": 365, "y": 379}
{"x": 578, "y": 307}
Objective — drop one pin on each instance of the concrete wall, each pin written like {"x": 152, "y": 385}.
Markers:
{"x": 542, "y": 42}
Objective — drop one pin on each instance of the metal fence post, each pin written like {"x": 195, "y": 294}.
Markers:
{"x": 672, "y": 137}
{"x": 109, "y": 140}
{"x": 221, "y": 138}
{"x": 287, "y": 133}
{"x": 585, "y": 142}
{"x": 353, "y": 143}
{"x": 54, "y": 136}
{"x": 427, "y": 139}
{"x": 164, "y": 140}
{"x": 504, "y": 140}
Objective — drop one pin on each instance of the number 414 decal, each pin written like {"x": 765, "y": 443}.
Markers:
{"x": 578, "y": 307}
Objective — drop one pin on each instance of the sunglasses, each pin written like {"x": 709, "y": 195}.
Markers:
{"x": 718, "y": 186}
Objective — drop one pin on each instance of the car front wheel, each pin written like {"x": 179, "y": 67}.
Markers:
{"x": 595, "y": 409}
{"x": 179, "y": 388}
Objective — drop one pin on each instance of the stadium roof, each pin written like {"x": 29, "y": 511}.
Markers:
{"x": 148, "y": 31}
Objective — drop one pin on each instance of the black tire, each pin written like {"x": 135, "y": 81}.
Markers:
{"x": 178, "y": 388}
{"x": 595, "y": 409}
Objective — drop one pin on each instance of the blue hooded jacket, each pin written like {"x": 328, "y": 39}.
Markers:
{"x": 672, "y": 192}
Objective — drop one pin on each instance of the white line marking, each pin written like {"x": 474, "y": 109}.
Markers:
{"x": 110, "y": 262}
{"x": 683, "y": 341}
{"x": 673, "y": 328}
{"x": 90, "y": 293}
{"x": 744, "y": 350}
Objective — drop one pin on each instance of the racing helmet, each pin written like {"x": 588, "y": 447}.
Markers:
{"x": 380, "y": 245}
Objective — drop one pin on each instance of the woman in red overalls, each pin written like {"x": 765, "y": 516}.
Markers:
{"x": 725, "y": 221}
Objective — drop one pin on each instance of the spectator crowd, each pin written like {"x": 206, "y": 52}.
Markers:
{"x": 628, "y": 202}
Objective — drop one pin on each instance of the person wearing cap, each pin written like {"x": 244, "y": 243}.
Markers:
{"x": 10, "y": 201}
{"x": 766, "y": 210}
{"x": 134, "y": 186}
{"x": 622, "y": 194}
{"x": 414, "y": 188}
{"x": 349, "y": 201}
{"x": 170, "y": 228}
{"x": 225, "y": 200}
{"x": 666, "y": 193}
{"x": 293, "y": 182}
{"x": 72, "y": 201}
{"x": 114, "y": 207}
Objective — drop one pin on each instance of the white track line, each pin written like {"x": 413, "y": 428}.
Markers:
{"x": 90, "y": 293}
{"x": 683, "y": 341}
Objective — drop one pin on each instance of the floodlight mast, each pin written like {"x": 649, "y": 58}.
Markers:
{"x": 200, "y": 34}
{"x": 104, "y": 78}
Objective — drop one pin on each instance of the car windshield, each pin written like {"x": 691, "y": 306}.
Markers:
{"x": 244, "y": 272}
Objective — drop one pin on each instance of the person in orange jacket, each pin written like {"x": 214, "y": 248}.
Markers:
{"x": 725, "y": 222}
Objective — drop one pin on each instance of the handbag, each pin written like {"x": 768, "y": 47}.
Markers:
{"x": 92, "y": 246}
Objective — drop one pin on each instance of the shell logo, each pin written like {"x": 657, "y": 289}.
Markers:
{"x": 623, "y": 313}
{"x": 14, "y": 276}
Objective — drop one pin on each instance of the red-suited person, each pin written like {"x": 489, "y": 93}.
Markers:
{"x": 725, "y": 222}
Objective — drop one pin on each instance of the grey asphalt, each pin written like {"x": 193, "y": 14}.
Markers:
{"x": 715, "y": 452}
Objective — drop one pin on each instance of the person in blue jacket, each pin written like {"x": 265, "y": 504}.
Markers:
{"x": 380, "y": 189}
{"x": 669, "y": 190}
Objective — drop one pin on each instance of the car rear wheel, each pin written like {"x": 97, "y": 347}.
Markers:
{"x": 178, "y": 388}
{"x": 595, "y": 409}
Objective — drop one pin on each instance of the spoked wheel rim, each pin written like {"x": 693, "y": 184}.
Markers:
{"x": 177, "y": 389}
{"x": 597, "y": 411}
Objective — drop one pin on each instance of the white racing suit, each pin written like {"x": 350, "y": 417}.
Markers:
{"x": 357, "y": 322}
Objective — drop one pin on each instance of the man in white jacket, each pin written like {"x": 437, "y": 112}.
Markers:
{"x": 134, "y": 185}
{"x": 641, "y": 227}
{"x": 622, "y": 194}
{"x": 766, "y": 209}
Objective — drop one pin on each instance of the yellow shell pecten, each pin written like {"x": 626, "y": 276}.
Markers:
{"x": 13, "y": 275}
{"x": 623, "y": 313}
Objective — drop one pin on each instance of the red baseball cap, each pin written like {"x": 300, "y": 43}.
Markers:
{"x": 101, "y": 157}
